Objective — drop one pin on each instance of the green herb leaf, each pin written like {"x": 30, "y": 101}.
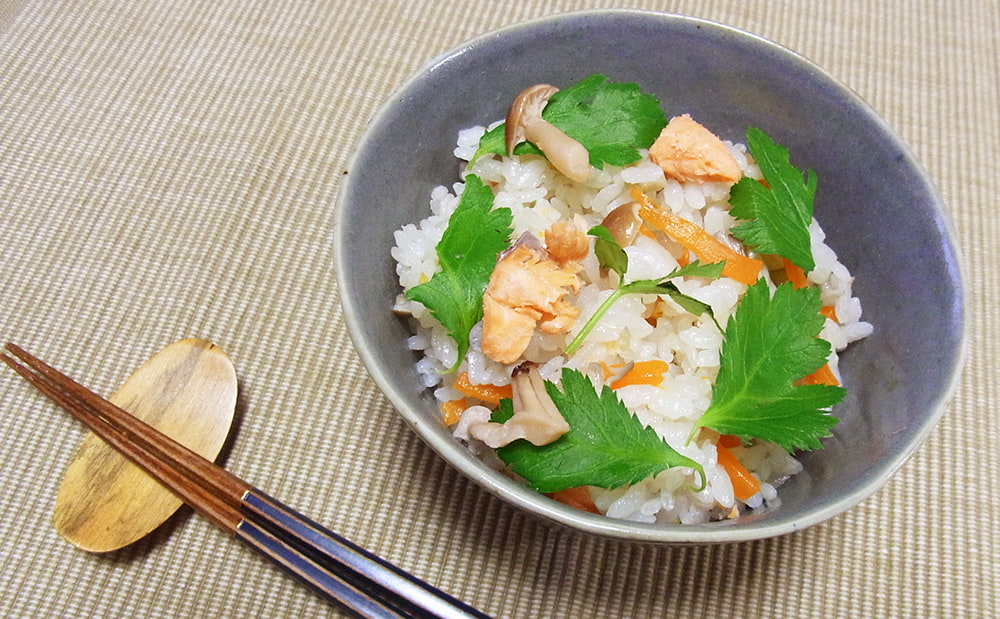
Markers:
{"x": 468, "y": 250}
{"x": 778, "y": 216}
{"x": 667, "y": 288}
{"x": 611, "y": 120}
{"x": 610, "y": 254}
{"x": 606, "y": 445}
{"x": 494, "y": 142}
{"x": 771, "y": 342}
{"x": 654, "y": 286}
{"x": 695, "y": 268}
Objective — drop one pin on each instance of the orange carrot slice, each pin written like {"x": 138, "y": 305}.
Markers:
{"x": 822, "y": 376}
{"x": 609, "y": 370}
{"x": 643, "y": 373}
{"x": 729, "y": 441}
{"x": 453, "y": 410}
{"x": 795, "y": 274}
{"x": 745, "y": 485}
{"x": 645, "y": 231}
{"x": 694, "y": 238}
{"x": 491, "y": 394}
{"x": 830, "y": 312}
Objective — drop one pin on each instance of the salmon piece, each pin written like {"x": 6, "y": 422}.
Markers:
{"x": 507, "y": 330}
{"x": 567, "y": 242}
{"x": 578, "y": 497}
{"x": 562, "y": 319}
{"x": 526, "y": 288}
{"x": 690, "y": 153}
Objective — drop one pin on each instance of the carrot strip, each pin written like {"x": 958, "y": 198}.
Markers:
{"x": 693, "y": 238}
{"x": 609, "y": 370}
{"x": 795, "y": 274}
{"x": 491, "y": 394}
{"x": 745, "y": 485}
{"x": 453, "y": 410}
{"x": 822, "y": 376}
{"x": 578, "y": 497}
{"x": 646, "y": 232}
{"x": 729, "y": 441}
{"x": 830, "y": 312}
{"x": 643, "y": 373}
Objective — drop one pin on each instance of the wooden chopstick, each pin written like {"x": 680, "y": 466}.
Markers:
{"x": 336, "y": 568}
{"x": 210, "y": 504}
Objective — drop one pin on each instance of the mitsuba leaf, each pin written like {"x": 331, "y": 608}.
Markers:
{"x": 668, "y": 288}
{"x": 610, "y": 254}
{"x": 771, "y": 342}
{"x": 494, "y": 142}
{"x": 606, "y": 445}
{"x": 695, "y": 268}
{"x": 468, "y": 250}
{"x": 777, "y": 215}
{"x": 611, "y": 120}
{"x": 649, "y": 286}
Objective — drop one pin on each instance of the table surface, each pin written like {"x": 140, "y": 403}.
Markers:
{"x": 169, "y": 170}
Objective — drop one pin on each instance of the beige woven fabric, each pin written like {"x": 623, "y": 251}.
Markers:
{"x": 169, "y": 169}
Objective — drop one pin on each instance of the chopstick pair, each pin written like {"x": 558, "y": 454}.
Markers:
{"x": 334, "y": 567}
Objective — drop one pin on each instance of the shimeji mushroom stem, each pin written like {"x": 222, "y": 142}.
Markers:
{"x": 524, "y": 122}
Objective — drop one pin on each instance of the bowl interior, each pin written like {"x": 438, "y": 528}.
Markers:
{"x": 879, "y": 210}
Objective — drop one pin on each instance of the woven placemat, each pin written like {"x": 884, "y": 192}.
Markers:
{"x": 169, "y": 170}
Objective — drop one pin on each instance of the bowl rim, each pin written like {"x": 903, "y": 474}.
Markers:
{"x": 518, "y": 495}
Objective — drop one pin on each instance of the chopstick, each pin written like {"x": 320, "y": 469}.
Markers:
{"x": 334, "y": 567}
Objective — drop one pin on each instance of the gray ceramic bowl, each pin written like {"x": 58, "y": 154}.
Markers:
{"x": 878, "y": 207}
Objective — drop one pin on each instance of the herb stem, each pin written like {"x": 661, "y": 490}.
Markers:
{"x": 590, "y": 324}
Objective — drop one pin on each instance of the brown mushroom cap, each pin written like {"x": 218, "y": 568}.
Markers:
{"x": 623, "y": 223}
{"x": 524, "y": 122}
{"x": 528, "y": 104}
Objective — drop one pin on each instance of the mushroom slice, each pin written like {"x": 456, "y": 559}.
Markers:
{"x": 623, "y": 223}
{"x": 536, "y": 418}
{"x": 474, "y": 415}
{"x": 524, "y": 122}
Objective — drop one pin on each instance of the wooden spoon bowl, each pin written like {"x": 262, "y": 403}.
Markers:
{"x": 188, "y": 392}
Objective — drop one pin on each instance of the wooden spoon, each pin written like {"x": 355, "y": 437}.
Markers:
{"x": 188, "y": 392}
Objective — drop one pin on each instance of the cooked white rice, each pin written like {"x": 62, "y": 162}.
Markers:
{"x": 538, "y": 196}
